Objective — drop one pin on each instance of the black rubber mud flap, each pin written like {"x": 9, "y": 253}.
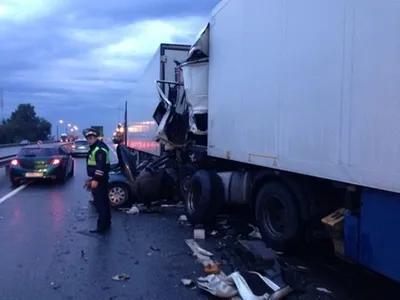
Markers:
{"x": 204, "y": 197}
{"x": 277, "y": 216}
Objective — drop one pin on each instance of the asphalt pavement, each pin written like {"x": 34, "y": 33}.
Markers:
{"x": 47, "y": 253}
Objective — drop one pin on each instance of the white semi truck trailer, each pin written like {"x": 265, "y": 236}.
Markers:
{"x": 293, "y": 111}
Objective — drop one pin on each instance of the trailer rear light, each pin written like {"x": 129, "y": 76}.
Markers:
{"x": 55, "y": 161}
{"x": 14, "y": 162}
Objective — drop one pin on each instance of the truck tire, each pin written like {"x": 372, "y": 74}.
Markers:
{"x": 277, "y": 216}
{"x": 204, "y": 197}
{"x": 185, "y": 176}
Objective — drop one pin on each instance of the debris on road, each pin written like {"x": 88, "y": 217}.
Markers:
{"x": 187, "y": 282}
{"x": 55, "y": 286}
{"x": 154, "y": 248}
{"x": 199, "y": 234}
{"x": 184, "y": 221}
{"x": 177, "y": 205}
{"x": 133, "y": 210}
{"x": 324, "y": 290}
{"x": 151, "y": 209}
{"x": 246, "y": 285}
{"x": 183, "y": 218}
{"x": 203, "y": 251}
{"x": 121, "y": 277}
{"x": 214, "y": 268}
{"x": 222, "y": 287}
{"x": 255, "y": 233}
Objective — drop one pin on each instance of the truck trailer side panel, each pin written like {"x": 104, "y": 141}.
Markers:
{"x": 317, "y": 94}
{"x": 144, "y": 97}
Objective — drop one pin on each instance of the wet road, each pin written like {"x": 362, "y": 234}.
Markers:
{"x": 46, "y": 252}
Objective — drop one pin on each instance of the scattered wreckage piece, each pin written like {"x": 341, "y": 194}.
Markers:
{"x": 153, "y": 208}
{"x": 217, "y": 286}
{"x": 187, "y": 282}
{"x": 247, "y": 285}
{"x": 121, "y": 277}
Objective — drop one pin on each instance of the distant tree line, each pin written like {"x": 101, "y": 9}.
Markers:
{"x": 24, "y": 124}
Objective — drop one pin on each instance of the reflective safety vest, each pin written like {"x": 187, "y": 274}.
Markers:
{"x": 92, "y": 157}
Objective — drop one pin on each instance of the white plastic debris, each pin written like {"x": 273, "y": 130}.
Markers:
{"x": 183, "y": 218}
{"x": 121, "y": 277}
{"x": 203, "y": 251}
{"x": 199, "y": 234}
{"x": 222, "y": 287}
{"x": 323, "y": 290}
{"x": 255, "y": 233}
{"x": 133, "y": 210}
{"x": 187, "y": 282}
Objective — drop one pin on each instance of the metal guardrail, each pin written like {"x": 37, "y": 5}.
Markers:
{"x": 4, "y": 161}
{"x": 19, "y": 145}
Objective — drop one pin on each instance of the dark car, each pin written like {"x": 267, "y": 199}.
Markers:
{"x": 122, "y": 178}
{"x": 24, "y": 142}
{"x": 147, "y": 182}
{"x": 52, "y": 162}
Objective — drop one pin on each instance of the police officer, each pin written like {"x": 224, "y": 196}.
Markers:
{"x": 98, "y": 167}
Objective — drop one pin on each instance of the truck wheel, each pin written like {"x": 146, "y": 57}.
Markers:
{"x": 185, "y": 177}
{"x": 204, "y": 197}
{"x": 277, "y": 216}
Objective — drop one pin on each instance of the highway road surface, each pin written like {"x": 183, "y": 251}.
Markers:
{"x": 47, "y": 253}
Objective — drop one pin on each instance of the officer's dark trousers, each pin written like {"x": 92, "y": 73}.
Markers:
{"x": 100, "y": 195}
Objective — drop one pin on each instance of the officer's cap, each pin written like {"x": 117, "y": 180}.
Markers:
{"x": 90, "y": 132}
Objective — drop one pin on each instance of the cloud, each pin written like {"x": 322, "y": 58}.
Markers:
{"x": 78, "y": 60}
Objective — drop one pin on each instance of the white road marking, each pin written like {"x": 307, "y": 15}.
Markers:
{"x": 13, "y": 193}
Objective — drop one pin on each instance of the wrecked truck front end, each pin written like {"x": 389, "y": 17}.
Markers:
{"x": 182, "y": 113}
{"x": 195, "y": 80}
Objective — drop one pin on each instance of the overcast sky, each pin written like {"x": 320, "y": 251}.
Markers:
{"x": 77, "y": 60}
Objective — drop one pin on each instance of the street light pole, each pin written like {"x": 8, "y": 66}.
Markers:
{"x": 126, "y": 123}
{"x": 59, "y": 122}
